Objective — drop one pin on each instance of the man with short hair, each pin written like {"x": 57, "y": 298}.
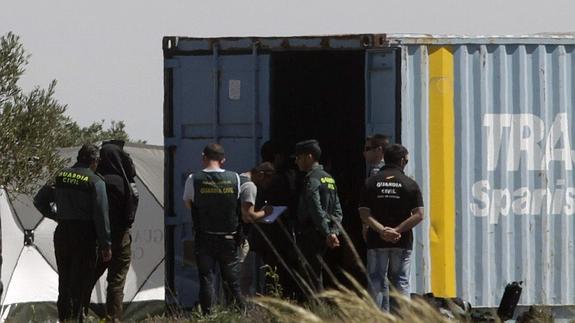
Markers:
{"x": 319, "y": 213}
{"x": 83, "y": 226}
{"x": 373, "y": 155}
{"x": 253, "y": 209}
{"x": 259, "y": 177}
{"x": 213, "y": 195}
{"x": 373, "y": 152}
{"x": 391, "y": 205}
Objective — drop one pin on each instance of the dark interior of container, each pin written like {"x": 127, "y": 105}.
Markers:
{"x": 321, "y": 95}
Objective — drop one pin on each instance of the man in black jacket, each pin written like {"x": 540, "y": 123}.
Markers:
{"x": 82, "y": 215}
{"x": 117, "y": 169}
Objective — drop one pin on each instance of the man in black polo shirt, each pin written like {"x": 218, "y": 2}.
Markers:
{"x": 213, "y": 194}
{"x": 391, "y": 205}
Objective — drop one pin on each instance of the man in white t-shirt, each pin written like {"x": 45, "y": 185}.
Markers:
{"x": 213, "y": 195}
{"x": 259, "y": 177}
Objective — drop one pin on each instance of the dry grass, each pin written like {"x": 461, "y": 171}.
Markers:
{"x": 347, "y": 306}
{"x": 330, "y": 306}
{"x": 344, "y": 304}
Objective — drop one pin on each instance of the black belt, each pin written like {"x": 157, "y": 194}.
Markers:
{"x": 225, "y": 235}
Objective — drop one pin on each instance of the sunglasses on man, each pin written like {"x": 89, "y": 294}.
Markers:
{"x": 267, "y": 172}
{"x": 369, "y": 148}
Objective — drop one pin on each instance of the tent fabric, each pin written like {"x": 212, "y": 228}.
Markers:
{"x": 43, "y": 241}
{"x": 30, "y": 270}
{"x": 12, "y": 240}
{"x": 22, "y": 204}
{"x": 29, "y": 273}
{"x": 149, "y": 167}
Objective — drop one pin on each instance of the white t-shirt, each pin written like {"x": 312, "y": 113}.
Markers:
{"x": 189, "y": 186}
{"x": 248, "y": 191}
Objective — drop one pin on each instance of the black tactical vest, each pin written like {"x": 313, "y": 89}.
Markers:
{"x": 75, "y": 193}
{"x": 216, "y": 202}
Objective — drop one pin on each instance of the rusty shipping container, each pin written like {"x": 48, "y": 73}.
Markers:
{"x": 488, "y": 122}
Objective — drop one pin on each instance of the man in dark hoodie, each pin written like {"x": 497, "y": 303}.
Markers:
{"x": 82, "y": 215}
{"x": 117, "y": 169}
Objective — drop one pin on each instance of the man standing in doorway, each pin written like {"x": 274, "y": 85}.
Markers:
{"x": 319, "y": 213}
{"x": 213, "y": 195}
{"x": 373, "y": 153}
{"x": 282, "y": 190}
{"x": 391, "y": 205}
{"x": 83, "y": 225}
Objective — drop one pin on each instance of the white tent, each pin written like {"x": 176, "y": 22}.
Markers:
{"x": 29, "y": 272}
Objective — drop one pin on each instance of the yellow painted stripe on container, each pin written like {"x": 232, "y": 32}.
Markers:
{"x": 442, "y": 170}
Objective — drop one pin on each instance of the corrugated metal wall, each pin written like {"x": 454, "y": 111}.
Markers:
{"x": 515, "y": 194}
{"x": 415, "y": 127}
{"x": 514, "y": 117}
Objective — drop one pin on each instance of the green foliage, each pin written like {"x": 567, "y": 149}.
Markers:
{"x": 74, "y": 135}
{"x": 12, "y": 62}
{"x": 33, "y": 125}
{"x": 274, "y": 286}
{"x": 27, "y": 135}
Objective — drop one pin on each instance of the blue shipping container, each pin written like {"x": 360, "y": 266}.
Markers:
{"x": 502, "y": 109}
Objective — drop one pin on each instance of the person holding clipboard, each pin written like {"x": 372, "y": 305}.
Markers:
{"x": 255, "y": 211}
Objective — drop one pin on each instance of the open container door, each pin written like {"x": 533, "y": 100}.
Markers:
{"x": 382, "y": 93}
{"x": 392, "y": 109}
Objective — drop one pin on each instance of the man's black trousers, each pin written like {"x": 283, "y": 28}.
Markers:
{"x": 76, "y": 255}
{"x": 221, "y": 251}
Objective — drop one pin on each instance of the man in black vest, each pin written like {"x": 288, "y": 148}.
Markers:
{"x": 213, "y": 194}
{"x": 83, "y": 225}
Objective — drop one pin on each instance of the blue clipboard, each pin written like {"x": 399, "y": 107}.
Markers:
{"x": 277, "y": 211}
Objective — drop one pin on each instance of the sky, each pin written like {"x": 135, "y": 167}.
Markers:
{"x": 107, "y": 55}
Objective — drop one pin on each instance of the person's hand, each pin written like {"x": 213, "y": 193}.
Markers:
{"x": 268, "y": 209}
{"x": 107, "y": 254}
{"x": 390, "y": 235}
{"x": 332, "y": 241}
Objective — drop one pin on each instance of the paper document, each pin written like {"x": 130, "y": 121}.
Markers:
{"x": 277, "y": 211}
